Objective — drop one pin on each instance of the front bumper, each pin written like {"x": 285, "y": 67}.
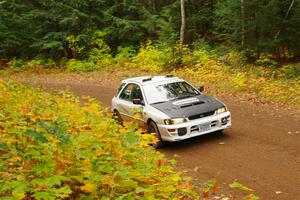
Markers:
{"x": 195, "y": 128}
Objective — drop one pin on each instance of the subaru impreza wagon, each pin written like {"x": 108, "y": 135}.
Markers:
{"x": 170, "y": 107}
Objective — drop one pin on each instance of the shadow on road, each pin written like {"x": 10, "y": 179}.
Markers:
{"x": 210, "y": 138}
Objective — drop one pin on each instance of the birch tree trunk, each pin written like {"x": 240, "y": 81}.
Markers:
{"x": 286, "y": 16}
{"x": 183, "y": 22}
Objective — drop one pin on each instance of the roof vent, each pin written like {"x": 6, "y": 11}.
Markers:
{"x": 169, "y": 76}
{"x": 147, "y": 79}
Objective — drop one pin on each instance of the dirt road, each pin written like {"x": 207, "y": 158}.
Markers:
{"x": 261, "y": 150}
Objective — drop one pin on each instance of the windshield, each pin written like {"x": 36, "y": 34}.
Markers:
{"x": 159, "y": 93}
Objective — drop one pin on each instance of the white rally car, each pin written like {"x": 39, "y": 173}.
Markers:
{"x": 169, "y": 107}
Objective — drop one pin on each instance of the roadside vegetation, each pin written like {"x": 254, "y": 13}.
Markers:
{"x": 52, "y": 147}
{"x": 226, "y": 72}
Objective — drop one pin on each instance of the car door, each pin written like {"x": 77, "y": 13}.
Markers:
{"x": 128, "y": 110}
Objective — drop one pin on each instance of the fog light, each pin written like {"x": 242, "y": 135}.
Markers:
{"x": 171, "y": 130}
{"x": 225, "y": 120}
{"x": 182, "y": 131}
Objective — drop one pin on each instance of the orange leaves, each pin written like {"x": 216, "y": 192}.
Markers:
{"x": 5, "y": 175}
{"x": 62, "y": 166}
{"x": 28, "y": 165}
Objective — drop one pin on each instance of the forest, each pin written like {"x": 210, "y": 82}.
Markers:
{"x": 53, "y": 29}
{"x": 55, "y": 145}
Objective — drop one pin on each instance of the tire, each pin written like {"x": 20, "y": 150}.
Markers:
{"x": 152, "y": 128}
{"x": 118, "y": 117}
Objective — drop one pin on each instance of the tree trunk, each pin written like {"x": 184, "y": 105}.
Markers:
{"x": 183, "y": 22}
{"x": 286, "y": 16}
{"x": 243, "y": 23}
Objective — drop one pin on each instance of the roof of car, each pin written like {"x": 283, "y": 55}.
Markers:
{"x": 145, "y": 80}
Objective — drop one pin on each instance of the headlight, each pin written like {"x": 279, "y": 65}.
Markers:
{"x": 174, "y": 121}
{"x": 221, "y": 110}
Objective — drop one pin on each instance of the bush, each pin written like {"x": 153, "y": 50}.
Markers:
{"x": 201, "y": 44}
{"x": 234, "y": 59}
{"x": 152, "y": 59}
{"x": 39, "y": 63}
{"x": 291, "y": 71}
{"x": 266, "y": 61}
{"x": 52, "y": 147}
{"x": 36, "y": 63}
{"x": 16, "y": 64}
{"x": 124, "y": 54}
{"x": 80, "y": 66}
{"x": 100, "y": 52}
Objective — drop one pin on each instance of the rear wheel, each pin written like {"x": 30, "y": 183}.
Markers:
{"x": 117, "y": 117}
{"x": 152, "y": 128}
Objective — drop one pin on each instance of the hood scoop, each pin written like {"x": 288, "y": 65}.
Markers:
{"x": 193, "y": 104}
{"x": 186, "y": 101}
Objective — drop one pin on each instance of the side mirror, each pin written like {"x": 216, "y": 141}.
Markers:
{"x": 137, "y": 101}
{"x": 201, "y": 88}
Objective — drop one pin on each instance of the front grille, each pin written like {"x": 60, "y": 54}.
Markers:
{"x": 198, "y": 116}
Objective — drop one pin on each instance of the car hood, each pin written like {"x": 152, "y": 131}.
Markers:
{"x": 189, "y": 107}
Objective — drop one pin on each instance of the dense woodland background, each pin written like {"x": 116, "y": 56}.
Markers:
{"x": 30, "y": 28}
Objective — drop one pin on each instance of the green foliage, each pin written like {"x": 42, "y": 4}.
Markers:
{"x": 290, "y": 71}
{"x": 52, "y": 147}
{"x": 37, "y": 63}
{"x": 124, "y": 54}
{"x": 234, "y": 59}
{"x": 266, "y": 61}
{"x": 267, "y": 26}
{"x": 81, "y": 66}
{"x": 100, "y": 52}
{"x": 16, "y": 64}
{"x": 59, "y": 29}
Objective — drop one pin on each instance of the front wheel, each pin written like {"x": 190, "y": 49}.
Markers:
{"x": 152, "y": 128}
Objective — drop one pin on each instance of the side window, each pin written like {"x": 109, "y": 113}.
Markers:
{"x": 130, "y": 92}
{"x": 136, "y": 93}
{"x": 126, "y": 93}
{"x": 120, "y": 88}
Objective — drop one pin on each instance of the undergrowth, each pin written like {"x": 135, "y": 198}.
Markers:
{"x": 231, "y": 73}
{"x": 52, "y": 147}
